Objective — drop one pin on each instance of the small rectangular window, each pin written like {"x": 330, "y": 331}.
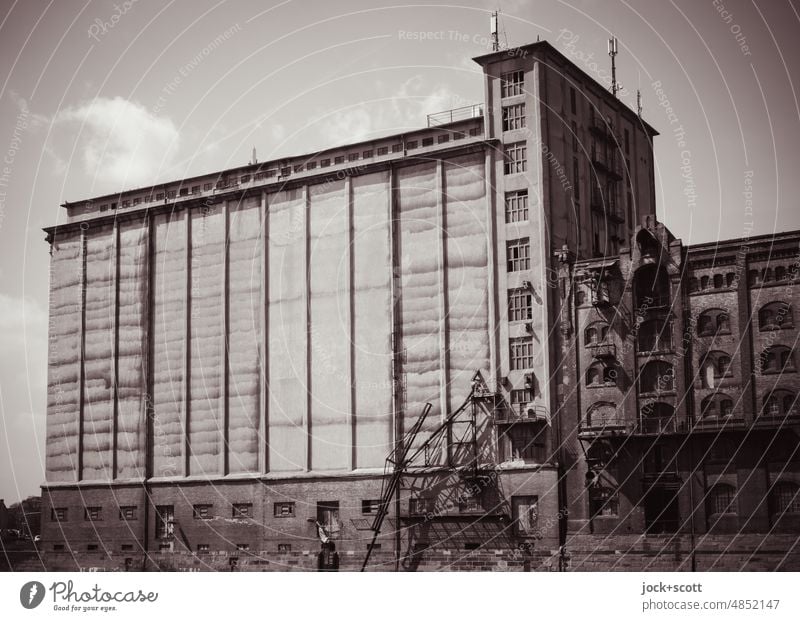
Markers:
{"x": 184, "y": 192}
{"x": 127, "y": 513}
{"x": 339, "y": 159}
{"x": 207, "y": 187}
{"x": 298, "y": 168}
{"x": 367, "y": 154}
{"x": 444, "y": 138}
{"x": 195, "y": 189}
{"x": 627, "y": 136}
{"x": 519, "y": 305}
{"x": 104, "y": 207}
{"x": 311, "y": 165}
{"x": 259, "y": 176}
{"x": 324, "y": 163}
{"x": 475, "y": 131}
{"x": 164, "y": 547}
{"x": 137, "y": 200}
{"x": 525, "y": 514}
{"x": 520, "y": 353}
{"x": 518, "y": 255}
{"x": 284, "y": 509}
{"x": 517, "y": 206}
{"x": 521, "y": 396}
{"x": 242, "y": 510}
{"x": 370, "y": 507}
{"x": 284, "y": 547}
{"x": 92, "y": 547}
{"x": 126, "y": 203}
{"x": 58, "y": 514}
{"x": 113, "y": 205}
{"x": 93, "y": 514}
{"x": 574, "y": 128}
{"x": 419, "y": 506}
{"x": 201, "y": 512}
{"x": 58, "y": 547}
{"x": 245, "y": 179}
{"x": 412, "y": 144}
{"x": 328, "y": 517}
{"x": 427, "y": 142}
{"x": 513, "y": 117}
{"x": 352, "y": 157}
{"x": 515, "y": 158}
{"x": 202, "y": 548}
{"x": 383, "y": 150}
{"x": 171, "y": 194}
{"x": 159, "y": 196}
{"x": 272, "y": 173}
{"x": 511, "y": 83}
{"x": 396, "y": 148}
{"x": 242, "y": 547}
{"x": 126, "y": 547}
{"x": 286, "y": 171}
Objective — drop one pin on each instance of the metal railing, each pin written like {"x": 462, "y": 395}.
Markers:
{"x": 456, "y": 114}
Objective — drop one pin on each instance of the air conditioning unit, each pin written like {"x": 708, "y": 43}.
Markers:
{"x": 526, "y": 284}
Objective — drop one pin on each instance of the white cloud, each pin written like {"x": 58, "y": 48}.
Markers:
{"x": 120, "y": 141}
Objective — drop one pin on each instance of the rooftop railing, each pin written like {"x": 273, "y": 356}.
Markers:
{"x": 456, "y": 114}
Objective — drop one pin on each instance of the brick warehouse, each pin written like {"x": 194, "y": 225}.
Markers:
{"x": 234, "y": 356}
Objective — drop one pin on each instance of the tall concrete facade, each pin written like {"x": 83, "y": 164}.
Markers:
{"x": 233, "y": 356}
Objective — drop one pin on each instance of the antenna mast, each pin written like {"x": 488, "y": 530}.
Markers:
{"x": 639, "y": 102}
{"x": 493, "y": 29}
{"x": 612, "y": 51}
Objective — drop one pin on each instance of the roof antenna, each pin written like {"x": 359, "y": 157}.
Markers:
{"x": 493, "y": 29}
{"x": 255, "y": 159}
{"x": 612, "y": 51}
{"x": 639, "y": 103}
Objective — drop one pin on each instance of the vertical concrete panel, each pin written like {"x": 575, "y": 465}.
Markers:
{"x": 63, "y": 390}
{"x": 329, "y": 266}
{"x": 286, "y": 408}
{"x": 131, "y": 349}
{"x": 244, "y": 325}
{"x": 419, "y": 264}
{"x": 98, "y": 360}
{"x": 372, "y": 320}
{"x": 169, "y": 342}
{"x": 206, "y": 345}
{"x": 467, "y": 274}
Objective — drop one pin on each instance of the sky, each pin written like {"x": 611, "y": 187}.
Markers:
{"x": 105, "y": 95}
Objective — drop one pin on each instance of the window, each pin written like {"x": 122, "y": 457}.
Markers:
{"x": 527, "y": 443}
{"x": 104, "y": 207}
{"x": 195, "y": 189}
{"x": 370, "y": 507}
{"x": 730, "y": 279}
{"x": 127, "y": 513}
{"x": 242, "y": 547}
{"x": 383, "y": 150}
{"x": 352, "y": 157}
{"x": 785, "y": 499}
{"x": 137, "y": 200}
{"x": 396, "y": 148}
{"x": 714, "y": 366}
{"x": 604, "y": 414}
{"x": 521, "y": 396}
{"x": 427, "y": 142}
{"x": 242, "y": 510}
{"x": 515, "y": 158}
{"x": 518, "y": 255}
{"x": 311, "y": 165}
{"x": 170, "y": 194}
{"x": 165, "y": 521}
{"x": 654, "y": 335}
{"x": 324, "y": 163}
{"x": 713, "y": 321}
{"x": 656, "y": 376}
{"x": 298, "y": 168}
{"x": 513, "y": 117}
{"x": 284, "y": 547}
{"x": 596, "y": 333}
{"x": 412, "y": 144}
{"x": 780, "y": 403}
{"x": 126, "y": 203}
{"x": 511, "y": 83}
{"x": 202, "y": 548}
{"x": 774, "y": 316}
{"x": 601, "y": 374}
{"x": 339, "y": 159}
{"x": 718, "y": 281}
{"x": 521, "y": 352}
{"x": 519, "y": 305}
{"x": 517, "y": 206}
{"x": 93, "y": 514}
{"x": 704, "y": 281}
{"x": 201, "y": 512}
{"x": 58, "y": 514}
{"x": 716, "y": 404}
{"x": 574, "y": 127}
{"x": 627, "y": 136}
{"x": 207, "y": 187}
{"x": 474, "y": 131}
{"x": 722, "y": 499}
{"x": 525, "y": 513}
{"x": 367, "y": 154}
{"x": 603, "y": 501}
{"x": 286, "y": 171}
{"x": 469, "y": 499}
{"x": 576, "y": 182}
{"x": 58, "y": 547}
{"x": 92, "y": 547}
{"x": 164, "y": 547}
{"x": 283, "y": 509}
{"x": 419, "y": 506}
{"x": 443, "y": 138}
{"x": 573, "y": 100}
{"x": 328, "y": 517}
{"x": 777, "y": 359}
{"x": 126, "y": 547}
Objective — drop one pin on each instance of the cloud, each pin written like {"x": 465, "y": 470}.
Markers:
{"x": 120, "y": 141}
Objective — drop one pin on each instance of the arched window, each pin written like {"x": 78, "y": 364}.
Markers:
{"x": 730, "y": 279}
{"x": 768, "y": 275}
{"x": 603, "y": 414}
{"x": 722, "y": 499}
{"x": 780, "y": 273}
{"x": 596, "y": 333}
{"x": 713, "y": 321}
{"x": 580, "y": 297}
{"x": 779, "y": 403}
{"x": 651, "y": 287}
{"x": 718, "y": 282}
{"x": 774, "y": 316}
{"x": 754, "y": 277}
{"x": 785, "y": 499}
{"x": 714, "y": 366}
{"x": 654, "y": 335}
{"x": 658, "y": 417}
{"x": 601, "y": 374}
{"x": 694, "y": 284}
{"x": 656, "y": 376}
{"x": 716, "y": 405}
{"x": 778, "y": 359}
{"x": 704, "y": 280}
